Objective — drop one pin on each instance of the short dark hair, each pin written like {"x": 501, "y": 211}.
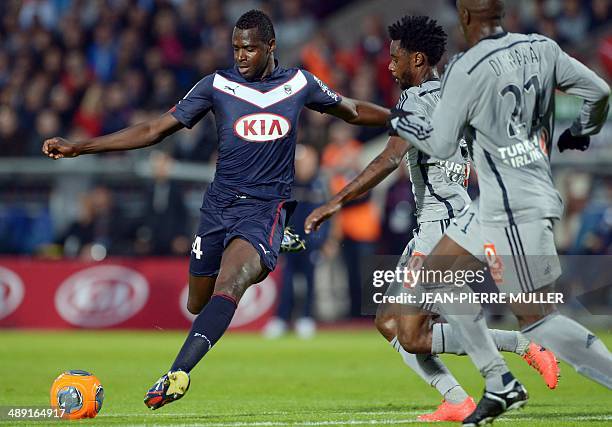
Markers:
{"x": 257, "y": 19}
{"x": 420, "y": 34}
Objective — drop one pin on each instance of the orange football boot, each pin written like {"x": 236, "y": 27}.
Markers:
{"x": 450, "y": 412}
{"x": 545, "y": 362}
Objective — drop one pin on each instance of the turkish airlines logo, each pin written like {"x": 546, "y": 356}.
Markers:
{"x": 11, "y": 292}
{"x": 256, "y": 302}
{"x": 262, "y": 127}
{"x": 101, "y": 296}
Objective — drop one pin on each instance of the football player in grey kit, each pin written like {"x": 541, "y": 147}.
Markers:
{"x": 500, "y": 93}
{"x": 417, "y": 45}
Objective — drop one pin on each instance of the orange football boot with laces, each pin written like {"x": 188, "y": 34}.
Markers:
{"x": 450, "y": 412}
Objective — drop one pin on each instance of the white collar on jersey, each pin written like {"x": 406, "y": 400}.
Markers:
{"x": 261, "y": 99}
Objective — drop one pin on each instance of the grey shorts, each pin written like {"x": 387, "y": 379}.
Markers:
{"x": 425, "y": 237}
{"x": 521, "y": 257}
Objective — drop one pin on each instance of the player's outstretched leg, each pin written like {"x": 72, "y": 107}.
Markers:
{"x": 445, "y": 339}
{"x": 174, "y": 384}
{"x": 573, "y": 343}
{"x": 456, "y": 404}
{"x": 240, "y": 267}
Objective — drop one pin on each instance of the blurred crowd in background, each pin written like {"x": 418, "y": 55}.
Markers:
{"x": 86, "y": 68}
{"x": 83, "y": 68}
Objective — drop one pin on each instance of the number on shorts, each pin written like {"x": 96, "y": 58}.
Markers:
{"x": 196, "y": 247}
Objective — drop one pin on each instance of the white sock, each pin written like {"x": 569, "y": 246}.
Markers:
{"x": 574, "y": 344}
{"x": 431, "y": 369}
{"x": 445, "y": 339}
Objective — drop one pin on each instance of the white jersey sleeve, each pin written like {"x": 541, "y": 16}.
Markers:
{"x": 575, "y": 78}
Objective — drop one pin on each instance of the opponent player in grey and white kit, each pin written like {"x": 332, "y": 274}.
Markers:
{"x": 439, "y": 189}
{"x": 501, "y": 92}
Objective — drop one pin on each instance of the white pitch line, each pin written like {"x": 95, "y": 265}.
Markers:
{"x": 369, "y": 422}
{"x": 297, "y": 423}
{"x": 199, "y": 414}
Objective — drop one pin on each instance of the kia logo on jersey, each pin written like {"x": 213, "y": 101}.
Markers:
{"x": 101, "y": 296}
{"x": 11, "y": 292}
{"x": 262, "y": 127}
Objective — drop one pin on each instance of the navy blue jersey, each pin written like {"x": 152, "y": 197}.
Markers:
{"x": 256, "y": 126}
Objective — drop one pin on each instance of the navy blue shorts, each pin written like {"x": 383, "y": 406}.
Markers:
{"x": 223, "y": 218}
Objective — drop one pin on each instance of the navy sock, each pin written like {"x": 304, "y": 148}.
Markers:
{"x": 207, "y": 329}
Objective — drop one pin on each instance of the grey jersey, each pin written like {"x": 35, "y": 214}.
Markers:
{"x": 501, "y": 93}
{"x": 438, "y": 185}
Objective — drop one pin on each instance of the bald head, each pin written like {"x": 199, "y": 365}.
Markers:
{"x": 480, "y": 18}
{"x": 484, "y": 9}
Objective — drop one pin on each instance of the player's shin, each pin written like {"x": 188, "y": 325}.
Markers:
{"x": 469, "y": 322}
{"x": 431, "y": 369}
{"x": 207, "y": 329}
{"x": 574, "y": 344}
{"x": 445, "y": 339}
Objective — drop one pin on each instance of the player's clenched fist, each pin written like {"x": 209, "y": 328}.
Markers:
{"x": 319, "y": 215}
{"x": 56, "y": 148}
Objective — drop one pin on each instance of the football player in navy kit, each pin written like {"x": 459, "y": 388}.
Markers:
{"x": 256, "y": 105}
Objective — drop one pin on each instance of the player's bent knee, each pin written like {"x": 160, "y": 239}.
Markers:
{"x": 200, "y": 291}
{"x": 232, "y": 287}
{"x": 386, "y": 325}
{"x": 413, "y": 342}
{"x": 195, "y": 303}
{"x": 194, "y": 307}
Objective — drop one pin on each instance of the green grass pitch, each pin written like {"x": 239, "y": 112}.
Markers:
{"x": 338, "y": 378}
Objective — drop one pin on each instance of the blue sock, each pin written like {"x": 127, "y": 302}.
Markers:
{"x": 207, "y": 329}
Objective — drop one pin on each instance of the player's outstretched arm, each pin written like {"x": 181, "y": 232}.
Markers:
{"x": 385, "y": 163}
{"x": 360, "y": 113}
{"x": 418, "y": 131}
{"x": 137, "y": 136}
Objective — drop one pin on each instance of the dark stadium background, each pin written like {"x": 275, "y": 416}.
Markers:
{"x": 85, "y": 68}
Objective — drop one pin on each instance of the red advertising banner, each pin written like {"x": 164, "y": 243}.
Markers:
{"x": 131, "y": 293}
